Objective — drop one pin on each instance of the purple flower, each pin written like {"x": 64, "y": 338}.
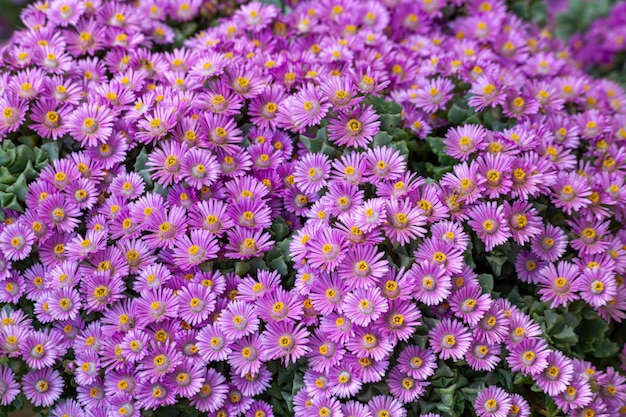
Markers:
{"x": 529, "y": 356}
{"x": 42, "y": 387}
{"x": 488, "y": 221}
{"x": 286, "y": 341}
{"x": 356, "y": 129}
{"x": 363, "y": 306}
{"x": 450, "y": 339}
{"x": 557, "y": 376}
{"x": 9, "y": 387}
{"x": 492, "y": 401}
{"x": 559, "y": 284}
{"x": 596, "y": 286}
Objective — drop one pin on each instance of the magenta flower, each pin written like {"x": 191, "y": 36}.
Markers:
{"x": 488, "y": 221}
{"x": 492, "y": 401}
{"x": 450, "y": 339}
{"x": 286, "y": 341}
{"x": 356, "y": 129}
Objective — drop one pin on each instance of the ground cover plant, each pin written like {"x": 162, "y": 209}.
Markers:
{"x": 341, "y": 208}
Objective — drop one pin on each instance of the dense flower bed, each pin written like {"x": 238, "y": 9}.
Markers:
{"x": 381, "y": 208}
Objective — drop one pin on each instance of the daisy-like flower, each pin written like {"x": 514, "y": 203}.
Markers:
{"x": 571, "y": 192}
{"x": 13, "y": 113}
{"x": 42, "y": 387}
{"x": 442, "y": 253}
{"x": 383, "y": 164}
{"x": 434, "y": 95}
{"x": 364, "y": 306}
{"x": 194, "y": 249}
{"x": 404, "y": 221}
{"x": 156, "y": 125}
{"x": 492, "y": 402}
{"x": 417, "y": 363}
{"x": 246, "y": 243}
{"x": 324, "y": 353}
{"x": 495, "y": 168}
{"x": 328, "y": 249}
{"x": 482, "y": 356}
{"x": 156, "y": 306}
{"x": 135, "y": 345}
{"x": 311, "y": 172}
{"x": 346, "y": 384}
{"x": 469, "y": 304}
{"x": 237, "y": 320}
{"x": 308, "y": 107}
{"x": 58, "y": 211}
{"x": 371, "y": 343}
{"x": 488, "y": 221}
{"x": 557, "y": 376}
{"x": 559, "y": 284}
{"x": 280, "y": 305}
{"x": 196, "y": 303}
{"x": 9, "y": 387}
{"x": 356, "y": 129}
{"x": 404, "y": 387}
{"x": 64, "y": 303}
{"x": 463, "y": 141}
{"x": 187, "y": 379}
{"x": 90, "y": 124}
{"x": 161, "y": 360}
{"x": 432, "y": 284}
{"x": 363, "y": 267}
{"x": 251, "y": 214}
{"x": 486, "y": 92}
{"x": 597, "y": 287}
{"x": 521, "y": 327}
{"x": 212, "y": 394}
{"x": 49, "y": 118}
{"x": 591, "y": 236}
{"x": 41, "y": 349}
{"x": 550, "y": 244}
{"x": 223, "y": 133}
{"x": 199, "y": 168}
{"x": 165, "y": 163}
{"x": 213, "y": 344}
{"x": 382, "y": 405}
{"x": 401, "y": 319}
{"x": 286, "y": 341}
{"x": 529, "y": 356}
{"x": 450, "y": 339}
{"x": 524, "y": 221}
{"x": 16, "y": 241}
{"x": 576, "y": 396}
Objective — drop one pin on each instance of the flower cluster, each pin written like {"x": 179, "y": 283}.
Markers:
{"x": 598, "y": 46}
{"x": 245, "y": 202}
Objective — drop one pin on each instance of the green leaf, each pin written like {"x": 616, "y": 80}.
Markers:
{"x": 606, "y": 349}
{"x": 388, "y": 122}
{"x": 436, "y": 145}
{"x": 19, "y": 187}
{"x": 486, "y": 282}
{"x": 552, "y": 319}
{"x": 566, "y": 336}
{"x": 242, "y": 268}
{"x": 24, "y": 154}
{"x": 382, "y": 138}
{"x": 400, "y": 147}
{"x": 9, "y": 201}
{"x": 51, "y": 149}
{"x": 459, "y": 112}
{"x": 446, "y": 395}
{"x": 496, "y": 263}
{"x": 279, "y": 265}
